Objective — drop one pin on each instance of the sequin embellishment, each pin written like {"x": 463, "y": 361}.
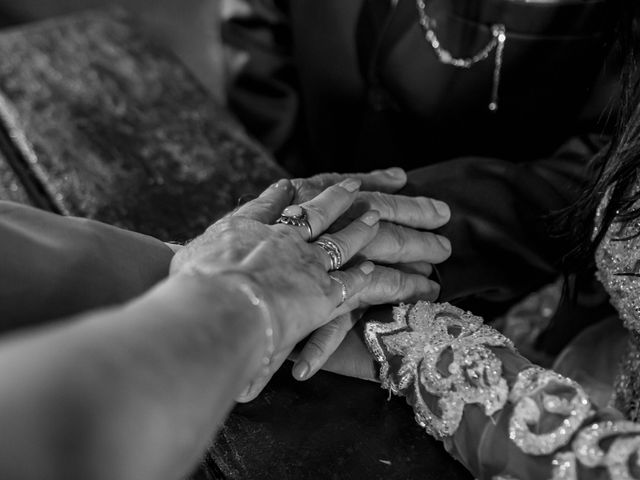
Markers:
{"x": 532, "y": 399}
{"x": 441, "y": 362}
{"x": 587, "y": 450}
{"x": 618, "y": 261}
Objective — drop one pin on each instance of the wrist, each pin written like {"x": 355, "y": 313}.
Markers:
{"x": 249, "y": 298}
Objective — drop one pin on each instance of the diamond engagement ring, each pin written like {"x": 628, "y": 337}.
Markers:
{"x": 332, "y": 249}
{"x": 343, "y": 288}
{"x": 295, "y": 216}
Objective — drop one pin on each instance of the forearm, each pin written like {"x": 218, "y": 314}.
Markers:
{"x": 60, "y": 266}
{"x": 495, "y": 412}
{"x": 135, "y": 392}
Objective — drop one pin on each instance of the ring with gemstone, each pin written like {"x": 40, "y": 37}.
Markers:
{"x": 332, "y": 249}
{"x": 296, "y": 216}
{"x": 343, "y": 288}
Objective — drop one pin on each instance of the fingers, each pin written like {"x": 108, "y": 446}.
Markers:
{"x": 418, "y": 268}
{"x": 268, "y": 206}
{"x": 353, "y": 280}
{"x": 315, "y": 216}
{"x": 321, "y": 345}
{"x": 338, "y": 248}
{"x": 347, "y": 283}
{"x": 329, "y": 204}
{"x": 386, "y": 181}
{"x": 416, "y": 212}
{"x": 352, "y": 358}
{"x": 388, "y": 285}
{"x": 398, "y": 244}
{"x": 384, "y": 285}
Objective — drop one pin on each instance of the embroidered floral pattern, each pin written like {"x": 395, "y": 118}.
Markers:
{"x": 441, "y": 361}
{"x": 538, "y": 392}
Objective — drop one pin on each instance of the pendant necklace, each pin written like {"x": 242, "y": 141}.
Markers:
{"x": 498, "y": 39}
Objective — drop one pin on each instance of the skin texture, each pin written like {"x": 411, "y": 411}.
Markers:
{"x": 137, "y": 391}
{"x": 404, "y": 241}
{"x": 385, "y": 284}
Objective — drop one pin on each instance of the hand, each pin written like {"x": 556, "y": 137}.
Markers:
{"x": 290, "y": 272}
{"x": 401, "y": 239}
{"x": 401, "y": 242}
{"x": 352, "y": 357}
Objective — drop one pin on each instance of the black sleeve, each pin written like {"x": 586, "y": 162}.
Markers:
{"x": 503, "y": 241}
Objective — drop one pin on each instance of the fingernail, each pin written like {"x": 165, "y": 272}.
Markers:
{"x": 350, "y": 184}
{"x": 444, "y": 241}
{"x": 367, "y": 267}
{"x": 246, "y": 391}
{"x": 395, "y": 172}
{"x": 442, "y": 208}
{"x": 371, "y": 218}
{"x": 301, "y": 370}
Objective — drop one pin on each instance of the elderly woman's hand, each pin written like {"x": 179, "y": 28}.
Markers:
{"x": 292, "y": 273}
{"x": 403, "y": 242}
{"x": 404, "y": 237}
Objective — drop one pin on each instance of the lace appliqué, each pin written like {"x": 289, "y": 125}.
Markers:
{"x": 537, "y": 392}
{"x": 587, "y": 450}
{"x": 441, "y": 362}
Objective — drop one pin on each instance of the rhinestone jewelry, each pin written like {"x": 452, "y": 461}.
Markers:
{"x": 531, "y": 402}
{"x": 497, "y": 42}
{"x": 564, "y": 466}
{"x": 420, "y": 338}
{"x": 618, "y": 261}
{"x": 296, "y": 216}
{"x": 332, "y": 249}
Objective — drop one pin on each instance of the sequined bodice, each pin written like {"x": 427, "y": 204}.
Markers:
{"x": 618, "y": 262}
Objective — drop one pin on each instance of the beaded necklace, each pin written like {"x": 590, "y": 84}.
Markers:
{"x": 497, "y": 42}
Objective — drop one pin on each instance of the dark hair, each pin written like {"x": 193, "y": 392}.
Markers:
{"x": 618, "y": 166}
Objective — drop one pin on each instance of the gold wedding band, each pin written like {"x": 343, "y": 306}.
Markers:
{"x": 343, "y": 287}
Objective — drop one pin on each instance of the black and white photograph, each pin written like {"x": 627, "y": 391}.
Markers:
{"x": 319, "y": 239}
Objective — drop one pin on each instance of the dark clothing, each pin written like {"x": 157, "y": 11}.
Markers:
{"x": 55, "y": 267}
{"x": 352, "y": 85}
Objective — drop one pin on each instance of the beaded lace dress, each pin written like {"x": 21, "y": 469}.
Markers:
{"x": 618, "y": 262}
{"x": 501, "y": 416}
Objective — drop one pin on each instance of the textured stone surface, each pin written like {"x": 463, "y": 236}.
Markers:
{"x": 120, "y": 132}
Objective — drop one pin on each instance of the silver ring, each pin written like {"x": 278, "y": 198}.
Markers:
{"x": 296, "y": 216}
{"x": 343, "y": 287}
{"x": 332, "y": 249}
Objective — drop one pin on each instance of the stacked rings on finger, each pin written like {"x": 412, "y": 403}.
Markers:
{"x": 332, "y": 249}
{"x": 295, "y": 216}
{"x": 343, "y": 288}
